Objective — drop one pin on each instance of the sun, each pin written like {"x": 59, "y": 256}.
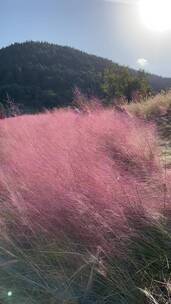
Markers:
{"x": 156, "y": 14}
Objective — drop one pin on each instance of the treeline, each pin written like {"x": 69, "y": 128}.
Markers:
{"x": 40, "y": 75}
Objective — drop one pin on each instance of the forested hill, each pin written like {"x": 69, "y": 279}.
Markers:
{"x": 38, "y": 74}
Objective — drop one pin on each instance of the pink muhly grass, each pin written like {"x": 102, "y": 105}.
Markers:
{"x": 77, "y": 191}
{"x": 75, "y": 174}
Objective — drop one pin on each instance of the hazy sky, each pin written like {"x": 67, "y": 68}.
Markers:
{"x": 112, "y": 29}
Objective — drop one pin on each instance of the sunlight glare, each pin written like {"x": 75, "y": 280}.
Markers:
{"x": 9, "y": 293}
{"x": 155, "y": 14}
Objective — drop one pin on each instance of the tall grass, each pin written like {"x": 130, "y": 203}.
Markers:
{"x": 152, "y": 108}
{"x": 158, "y": 110}
{"x": 83, "y": 210}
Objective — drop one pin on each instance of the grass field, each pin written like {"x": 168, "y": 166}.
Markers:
{"x": 85, "y": 213}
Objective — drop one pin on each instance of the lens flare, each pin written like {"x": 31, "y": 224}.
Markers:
{"x": 9, "y": 293}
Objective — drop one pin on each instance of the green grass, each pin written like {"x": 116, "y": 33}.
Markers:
{"x": 47, "y": 273}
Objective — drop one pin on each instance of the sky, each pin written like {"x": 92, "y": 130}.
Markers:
{"x": 112, "y": 29}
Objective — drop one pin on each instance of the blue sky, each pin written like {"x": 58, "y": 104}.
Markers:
{"x": 111, "y": 29}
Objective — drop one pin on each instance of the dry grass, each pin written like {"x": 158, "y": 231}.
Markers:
{"x": 158, "y": 110}
{"x": 152, "y": 108}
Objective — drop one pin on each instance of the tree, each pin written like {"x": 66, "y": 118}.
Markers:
{"x": 123, "y": 83}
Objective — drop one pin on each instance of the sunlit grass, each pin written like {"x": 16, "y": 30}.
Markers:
{"x": 85, "y": 210}
{"x": 153, "y": 107}
{"x": 158, "y": 110}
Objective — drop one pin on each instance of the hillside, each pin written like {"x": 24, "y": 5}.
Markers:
{"x": 41, "y": 75}
{"x": 45, "y": 75}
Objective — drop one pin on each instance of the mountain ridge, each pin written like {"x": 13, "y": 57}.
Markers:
{"x": 44, "y": 75}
